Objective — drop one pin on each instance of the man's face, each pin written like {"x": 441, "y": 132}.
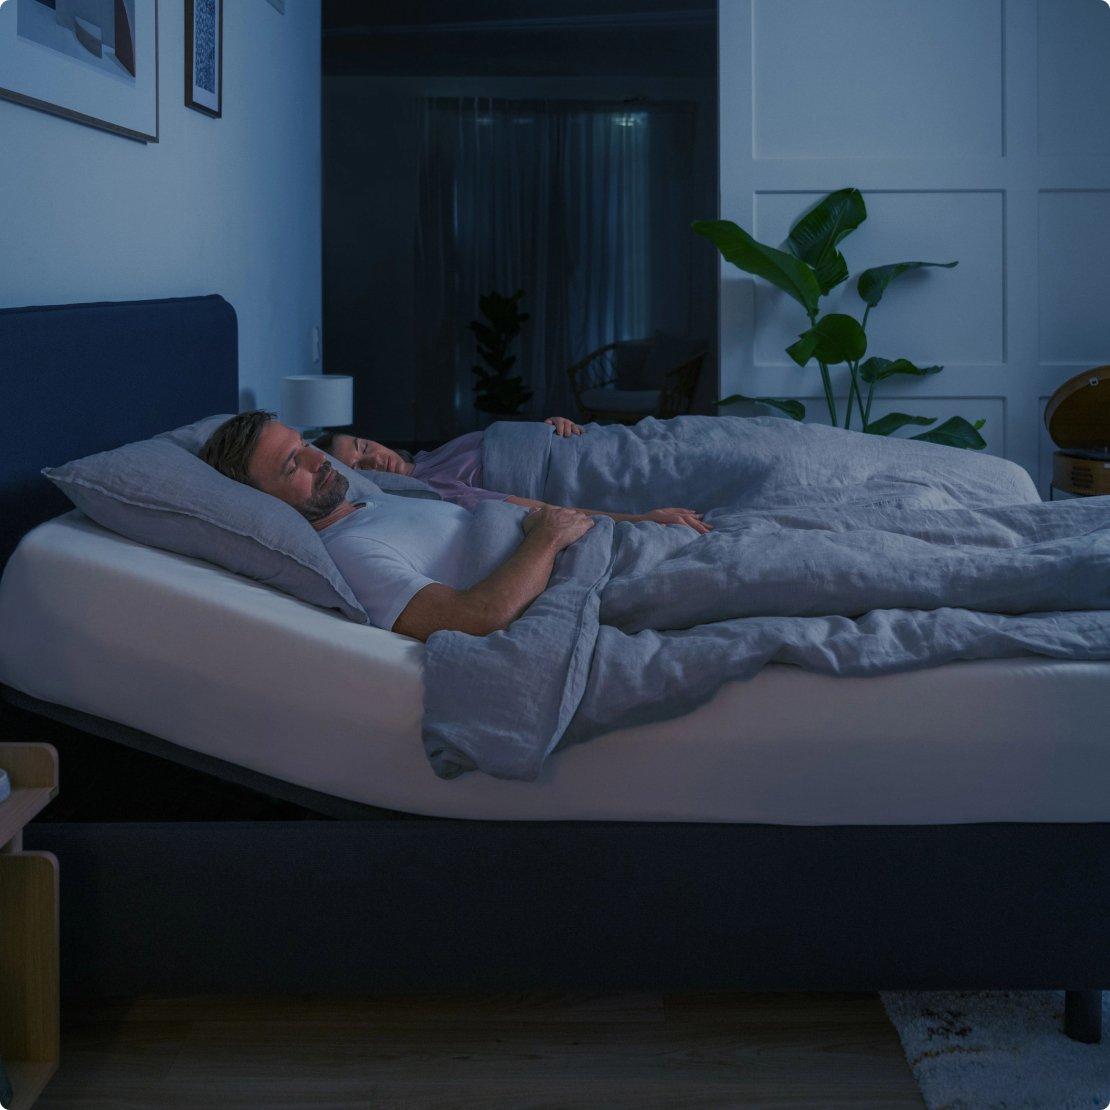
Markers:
{"x": 365, "y": 454}
{"x": 297, "y": 473}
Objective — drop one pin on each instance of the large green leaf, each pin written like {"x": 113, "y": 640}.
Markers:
{"x": 872, "y": 283}
{"x": 784, "y": 271}
{"x": 956, "y": 432}
{"x": 834, "y": 338}
{"x": 877, "y": 369}
{"x": 886, "y": 425}
{"x": 788, "y": 405}
{"x": 815, "y": 236}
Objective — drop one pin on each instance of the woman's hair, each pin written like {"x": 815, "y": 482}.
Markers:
{"x": 230, "y": 447}
{"x": 325, "y": 442}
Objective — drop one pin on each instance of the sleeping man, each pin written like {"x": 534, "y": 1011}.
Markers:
{"x": 401, "y": 556}
{"x": 454, "y": 471}
{"x": 839, "y": 552}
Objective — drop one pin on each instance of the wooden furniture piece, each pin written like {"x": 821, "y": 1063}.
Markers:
{"x": 1078, "y": 419}
{"x": 598, "y": 370}
{"x": 396, "y": 901}
{"x": 1079, "y": 477}
{"x": 29, "y": 984}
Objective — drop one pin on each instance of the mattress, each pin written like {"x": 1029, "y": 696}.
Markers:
{"x": 205, "y": 659}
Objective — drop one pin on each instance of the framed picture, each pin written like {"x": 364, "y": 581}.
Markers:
{"x": 91, "y": 61}
{"x": 204, "y": 56}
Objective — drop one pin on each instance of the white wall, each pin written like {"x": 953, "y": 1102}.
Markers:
{"x": 977, "y": 131}
{"x": 228, "y": 206}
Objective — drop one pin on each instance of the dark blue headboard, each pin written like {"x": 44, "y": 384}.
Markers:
{"x": 80, "y": 378}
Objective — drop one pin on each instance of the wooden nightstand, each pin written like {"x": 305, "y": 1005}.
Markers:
{"x": 28, "y": 927}
{"x": 1078, "y": 420}
{"x": 1075, "y": 476}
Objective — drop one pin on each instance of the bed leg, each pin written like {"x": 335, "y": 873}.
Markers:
{"x": 1083, "y": 1016}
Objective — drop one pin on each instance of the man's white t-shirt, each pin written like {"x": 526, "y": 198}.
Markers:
{"x": 393, "y": 547}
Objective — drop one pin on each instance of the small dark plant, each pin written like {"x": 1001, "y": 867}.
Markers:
{"x": 810, "y": 268}
{"x": 495, "y": 390}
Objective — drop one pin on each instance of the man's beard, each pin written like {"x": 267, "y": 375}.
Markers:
{"x": 326, "y": 495}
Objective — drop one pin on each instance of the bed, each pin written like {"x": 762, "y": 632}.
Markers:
{"x": 946, "y": 828}
{"x": 334, "y": 708}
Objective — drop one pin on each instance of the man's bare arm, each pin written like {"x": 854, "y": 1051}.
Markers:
{"x": 495, "y": 602}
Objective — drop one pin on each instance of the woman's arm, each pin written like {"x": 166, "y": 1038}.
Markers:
{"x": 528, "y": 503}
{"x": 657, "y": 516}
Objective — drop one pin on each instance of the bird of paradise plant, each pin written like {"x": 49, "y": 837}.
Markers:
{"x": 809, "y": 269}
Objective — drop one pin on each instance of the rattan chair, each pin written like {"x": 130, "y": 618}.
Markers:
{"x": 593, "y": 380}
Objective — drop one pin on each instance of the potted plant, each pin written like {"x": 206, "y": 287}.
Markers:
{"x": 497, "y": 391}
{"x": 810, "y": 268}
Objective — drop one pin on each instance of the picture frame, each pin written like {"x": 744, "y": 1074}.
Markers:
{"x": 94, "y": 62}
{"x": 204, "y": 56}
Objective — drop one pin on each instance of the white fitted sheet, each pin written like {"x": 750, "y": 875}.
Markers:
{"x": 216, "y": 663}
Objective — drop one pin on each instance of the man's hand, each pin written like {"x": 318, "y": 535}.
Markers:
{"x": 555, "y": 526}
{"x": 563, "y": 426}
{"x": 678, "y": 516}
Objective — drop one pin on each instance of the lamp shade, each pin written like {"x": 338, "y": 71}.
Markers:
{"x": 317, "y": 400}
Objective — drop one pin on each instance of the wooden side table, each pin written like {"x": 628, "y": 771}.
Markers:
{"x": 29, "y": 1020}
{"x": 1076, "y": 476}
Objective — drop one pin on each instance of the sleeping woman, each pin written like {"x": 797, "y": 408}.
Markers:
{"x": 454, "y": 471}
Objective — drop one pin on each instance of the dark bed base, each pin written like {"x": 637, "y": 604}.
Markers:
{"x": 334, "y": 906}
{"x": 392, "y": 900}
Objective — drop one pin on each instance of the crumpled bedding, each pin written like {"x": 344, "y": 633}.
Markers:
{"x": 705, "y": 462}
{"x": 848, "y": 555}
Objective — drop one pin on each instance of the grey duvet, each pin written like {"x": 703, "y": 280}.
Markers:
{"x": 833, "y": 551}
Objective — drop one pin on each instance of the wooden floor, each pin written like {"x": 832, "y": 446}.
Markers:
{"x": 556, "y": 1051}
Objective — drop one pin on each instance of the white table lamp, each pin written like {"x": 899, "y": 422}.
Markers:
{"x": 313, "y": 402}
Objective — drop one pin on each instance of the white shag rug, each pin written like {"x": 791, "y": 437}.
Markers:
{"x": 1000, "y": 1050}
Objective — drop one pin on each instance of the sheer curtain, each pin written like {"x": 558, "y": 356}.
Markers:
{"x": 584, "y": 205}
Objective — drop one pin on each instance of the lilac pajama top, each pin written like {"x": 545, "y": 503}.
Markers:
{"x": 454, "y": 471}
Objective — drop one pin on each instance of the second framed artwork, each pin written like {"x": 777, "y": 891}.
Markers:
{"x": 204, "y": 56}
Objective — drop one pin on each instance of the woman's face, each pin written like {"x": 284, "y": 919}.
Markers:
{"x": 365, "y": 454}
